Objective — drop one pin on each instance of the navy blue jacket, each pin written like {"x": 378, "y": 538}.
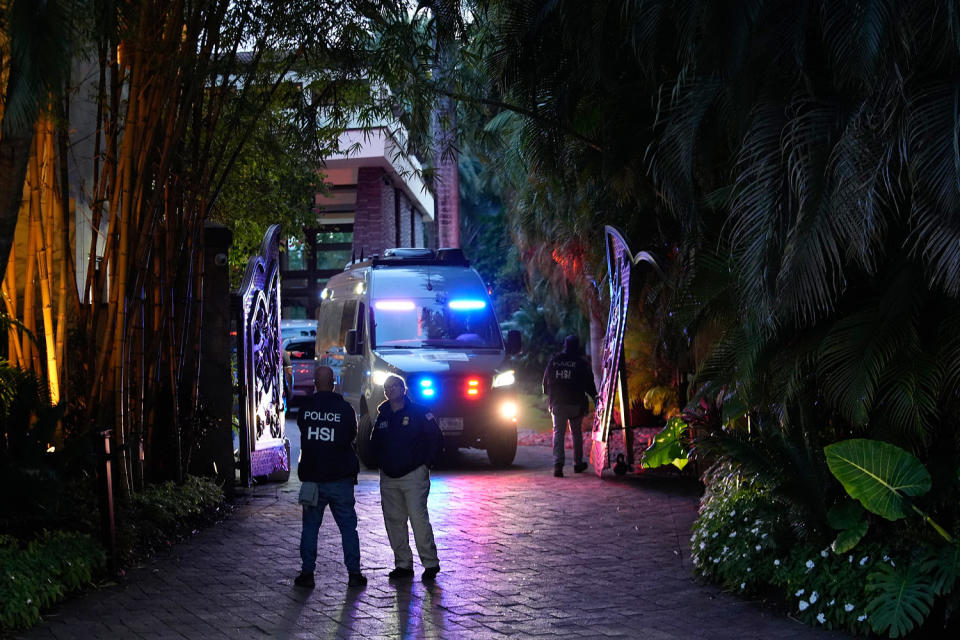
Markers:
{"x": 405, "y": 439}
{"x": 568, "y": 381}
{"x": 328, "y": 427}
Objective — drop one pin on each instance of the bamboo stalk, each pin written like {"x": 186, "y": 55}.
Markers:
{"x": 14, "y": 351}
{"x": 44, "y": 228}
{"x": 11, "y": 305}
{"x": 31, "y": 358}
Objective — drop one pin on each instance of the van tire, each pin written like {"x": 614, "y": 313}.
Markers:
{"x": 364, "y": 450}
{"x": 502, "y": 446}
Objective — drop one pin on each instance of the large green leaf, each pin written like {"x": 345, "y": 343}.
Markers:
{"x": 901, "y": 597}
{"x": 878, "y": 474}
{"x": 668, "y": 447}
{"x": 848, "y": 538}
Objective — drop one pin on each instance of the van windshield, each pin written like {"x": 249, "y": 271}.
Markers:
{"x": 428, "y": 323}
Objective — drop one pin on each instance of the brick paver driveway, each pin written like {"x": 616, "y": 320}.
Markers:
{"x": 522, "y": 554}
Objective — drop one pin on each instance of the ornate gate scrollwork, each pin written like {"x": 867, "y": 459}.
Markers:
{"x": 620, "y": 260}
{"x": 264, "y": 451}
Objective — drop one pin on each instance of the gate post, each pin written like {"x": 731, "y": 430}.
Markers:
{"x": 216, "y": 378}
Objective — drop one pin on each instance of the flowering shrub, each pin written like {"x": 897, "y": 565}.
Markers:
{"x": 742, "y": 541}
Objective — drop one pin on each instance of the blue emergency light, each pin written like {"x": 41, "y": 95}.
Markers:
{"x": 426, "y": 388}
{"x": 467, "y": 305}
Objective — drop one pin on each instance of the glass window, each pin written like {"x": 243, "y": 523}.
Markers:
{"x": 296, "y": 254}
{"x": 335, "y": 236}
{"x": 335, "y": 259}
{"x": 426, "y": 323}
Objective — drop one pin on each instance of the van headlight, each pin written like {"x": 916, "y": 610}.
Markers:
{"x": 504, "y": 379}
{"x": 380, "y": 376}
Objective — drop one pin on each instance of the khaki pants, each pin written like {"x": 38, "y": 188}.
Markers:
{"x": 402, "y": 499}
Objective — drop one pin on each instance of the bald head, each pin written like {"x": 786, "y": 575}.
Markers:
{"x": 323, "y": 378}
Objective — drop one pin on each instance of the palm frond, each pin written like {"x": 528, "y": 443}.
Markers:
{"x": 860, "y": 345}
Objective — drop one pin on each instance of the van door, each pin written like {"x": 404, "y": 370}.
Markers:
{"x": 330, "y": 349}
{"x": 353, "y": 372}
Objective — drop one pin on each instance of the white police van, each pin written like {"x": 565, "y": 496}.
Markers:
{"x": 425, "y": 316}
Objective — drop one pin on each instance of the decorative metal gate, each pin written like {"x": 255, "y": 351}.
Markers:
{"x": 620, "y": 260}
{"x": 264, "y": 449}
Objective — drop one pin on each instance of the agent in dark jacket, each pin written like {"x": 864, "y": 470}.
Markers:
{"x": 406, "y": 441}
{"x": 328, "y": 467}
{"x": 568, "y": 381}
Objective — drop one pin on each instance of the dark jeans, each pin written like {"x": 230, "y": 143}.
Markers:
{"x": 339, "y": 495}
{"x": 562, "y": 415}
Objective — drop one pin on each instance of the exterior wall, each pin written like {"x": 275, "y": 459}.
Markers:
{"x": 369, "y": 224}
{"x": 404, "y": 220}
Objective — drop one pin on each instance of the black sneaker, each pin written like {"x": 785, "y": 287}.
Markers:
{"x": 430, "y": 574}
{"x": 400, "y": 572}
{"x": 579, "y": 467}
{"x": 357, "y": 580}
{"x": 305, "y": 579}
{"x": 558, "y": 472}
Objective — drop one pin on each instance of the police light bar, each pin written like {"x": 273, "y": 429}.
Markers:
{"x": 394, "y": 305}
{"x": 466, "y": 305}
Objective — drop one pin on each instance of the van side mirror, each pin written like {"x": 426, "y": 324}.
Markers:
{"x": 513, "y": 342}
{"x": 353, "y": 345}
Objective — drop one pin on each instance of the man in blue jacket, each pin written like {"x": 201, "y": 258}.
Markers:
{"x": 406, "y": 441}
{"x": 328, "y": 468}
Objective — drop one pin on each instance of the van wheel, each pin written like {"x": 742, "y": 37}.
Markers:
{"x": 364, "y": 450}
{"x": 502, "y": 446}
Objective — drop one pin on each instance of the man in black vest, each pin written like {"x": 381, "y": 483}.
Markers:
{"x": 406, "y": 441}
{"x": 328, "y": 469}
{"x": 568, "y": 381}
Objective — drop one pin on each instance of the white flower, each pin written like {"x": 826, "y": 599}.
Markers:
{"x": 733, "y": 534}
{"x": 848, "y": 607}
{"x": 800, "y": 592}
{"x": 885, "y": 558}
{"x": 716, "y": 560}
{"x": 813, "y": 597}
{"x": 725, "y": 547}
{"x": 714, "y": 535}
{"x": 743, "y": 585}
{"x": 754, "y": 530}
{"x": 29, "y": 600}
{"x": 832, "y": 602}
{"x": 863, "y": 560}
{"x": 810, "y": 565}
{"x": 757, "y": 547}
{"x": 823, "y": 554}
{"x": 776, "y": 562}
{"x": 803, "y": 605}
{"x": 892, "y": 564}
{"x": 763, "y": 536}
{"x": 749, "y": 569}
{"x": 745, "y": 519}
{"x": 862, "y": 618}
{"x": 850, "y": 559}
{"x": 733, "y": 513}
{"x": 703, "y": 545}
{"x": 821, "y": 618}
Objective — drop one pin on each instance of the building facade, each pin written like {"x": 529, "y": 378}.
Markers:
{"x": 377, "y": 200}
